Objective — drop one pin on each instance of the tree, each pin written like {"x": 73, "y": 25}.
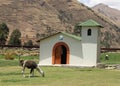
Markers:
{"x": 37, "y": 35}
{"x": 15, "y": 38}
{"x": 77, "y": 30}
{"x": 4, "y": 31}
{"x": 29, "y": 43}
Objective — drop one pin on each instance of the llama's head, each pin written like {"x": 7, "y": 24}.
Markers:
{"x": 21, "y": 62}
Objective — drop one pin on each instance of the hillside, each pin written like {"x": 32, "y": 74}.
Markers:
{"x": 44, "y": 17}
{"x": 112, "y": 13}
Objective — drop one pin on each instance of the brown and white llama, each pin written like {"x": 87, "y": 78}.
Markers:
{"x": 30, "y": 65}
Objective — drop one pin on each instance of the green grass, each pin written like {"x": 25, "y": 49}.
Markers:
{"x": 59, "y": 76}
{"x": 4, "y": 62}
{"x": 10, "y": 74}
{"x": 114, "y": 58}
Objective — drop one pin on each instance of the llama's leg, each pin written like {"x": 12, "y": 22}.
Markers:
{"x": 40, "y": 71}
{"x": 23, "y": 71}
{"x": 31, "y": 72}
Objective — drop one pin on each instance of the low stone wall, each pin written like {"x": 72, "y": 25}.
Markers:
{"x": 105, "y": 66}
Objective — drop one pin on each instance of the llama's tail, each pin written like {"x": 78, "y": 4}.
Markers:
{"x": 40, "y": 71}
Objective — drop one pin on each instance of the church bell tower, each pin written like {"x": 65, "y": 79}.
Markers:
{"x": 90, "y": 34}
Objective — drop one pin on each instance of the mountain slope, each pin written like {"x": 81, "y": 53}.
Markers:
{"x": 44, "y": 17}
{"x": 80, "y": 13}
{"x": 112, "y": 13}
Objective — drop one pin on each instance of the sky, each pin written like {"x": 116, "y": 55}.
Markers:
{"x": 111, "y": 3}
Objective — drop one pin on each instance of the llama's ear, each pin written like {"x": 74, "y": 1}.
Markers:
{"x": 19, "y": 56}
{"x": 19, "y": 60}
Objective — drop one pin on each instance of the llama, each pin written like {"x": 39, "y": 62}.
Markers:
{"x": 30, "y": 65}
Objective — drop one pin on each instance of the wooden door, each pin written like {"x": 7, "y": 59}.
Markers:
{"x": 58, "y": 53}
{"x": 60, "y": 50}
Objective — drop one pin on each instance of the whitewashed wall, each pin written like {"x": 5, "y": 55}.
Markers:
{"x": 89, "y": 46}
{"x": 47, "y": 45}
{"x": 82, "y": 52}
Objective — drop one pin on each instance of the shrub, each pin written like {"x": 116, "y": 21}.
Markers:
{"x": 9, "y": 56}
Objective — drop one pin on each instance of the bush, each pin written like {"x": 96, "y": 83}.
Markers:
{"x": 9, "y": 56}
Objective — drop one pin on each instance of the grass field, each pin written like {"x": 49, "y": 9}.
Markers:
{"x": 10, "y": 75}
{"x": 114, "y": 58}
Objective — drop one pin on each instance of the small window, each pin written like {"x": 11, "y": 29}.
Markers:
{"x": 89, "y": 32}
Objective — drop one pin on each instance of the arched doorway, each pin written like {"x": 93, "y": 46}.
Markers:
{"x": 60, "y": 53}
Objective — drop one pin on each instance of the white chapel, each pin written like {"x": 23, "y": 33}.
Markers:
{"x": 67, "y": 49}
